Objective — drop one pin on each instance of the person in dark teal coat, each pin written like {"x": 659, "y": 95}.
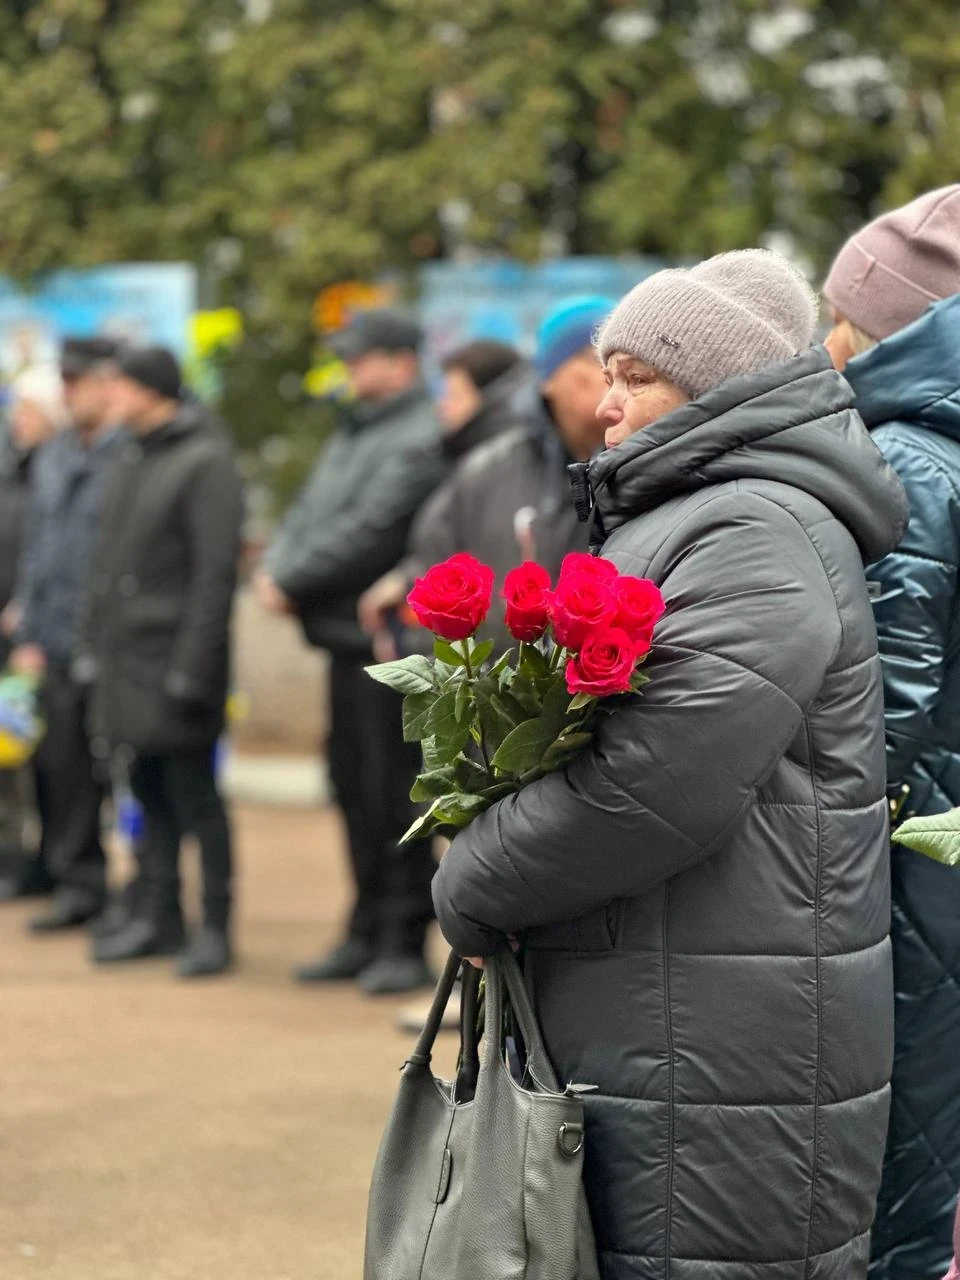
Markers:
{"x": 895, "y": 295}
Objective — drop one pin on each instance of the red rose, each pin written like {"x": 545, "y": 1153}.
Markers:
{"x": 605, "y": 665}
{"x": 640, "y": 606}
{"x": 581, "y": 603}
{"x": 580, "y": 562}
{"x": 526, "y": 590}
{"x": 453, "y": 598}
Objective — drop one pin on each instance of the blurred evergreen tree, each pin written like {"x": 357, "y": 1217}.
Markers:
{"x": 284, "y": 144}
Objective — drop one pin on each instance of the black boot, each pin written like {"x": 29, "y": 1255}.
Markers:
{"x": 121, "y": 910}
{"x": 393, "y": 974}
{"x": 70, "y": 909}
{"x": 341, "y": 964}
{"x": 207, "y": 953}
{"x": 139, "y": 938}
{"x": 29, "y": 879}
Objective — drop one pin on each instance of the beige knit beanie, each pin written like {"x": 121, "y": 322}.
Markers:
{"x": 735, "y": 313}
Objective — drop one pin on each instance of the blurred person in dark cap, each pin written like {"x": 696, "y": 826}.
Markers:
{"x": 155, "y": 650}
{"x": 510, "y": 500}
{"x": 67, "y": 485}
{"x": 349, "y": 526}
{"x": 37, "y": 411}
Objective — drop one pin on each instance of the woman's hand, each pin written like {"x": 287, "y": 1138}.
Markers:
{"x": 477, "y": 961}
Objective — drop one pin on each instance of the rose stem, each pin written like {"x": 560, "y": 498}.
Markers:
{"x": 465, "y": 650}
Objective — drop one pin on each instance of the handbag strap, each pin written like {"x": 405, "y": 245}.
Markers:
{"x": 424, "y": 1048}
{"x": 505, "y": 985}
{"x": 469, "y": 1064}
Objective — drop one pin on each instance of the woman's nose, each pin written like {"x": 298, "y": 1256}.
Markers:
{"x": 609, "y": 410}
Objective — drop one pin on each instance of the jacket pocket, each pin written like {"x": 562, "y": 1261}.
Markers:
{"x": 595, "y": 932}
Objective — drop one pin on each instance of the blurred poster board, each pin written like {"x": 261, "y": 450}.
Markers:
{"x": 141, "y": 302}
{"x": 506, "y": 300}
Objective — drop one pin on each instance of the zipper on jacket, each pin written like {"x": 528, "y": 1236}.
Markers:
{"x": 585, "y": 503}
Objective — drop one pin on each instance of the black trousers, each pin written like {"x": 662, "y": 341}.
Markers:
{"x": 372, "y": 770}
{"x": 179, "y": 797}
{"x": 69, "y": 792}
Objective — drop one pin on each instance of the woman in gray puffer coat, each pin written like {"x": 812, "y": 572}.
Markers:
{"x": 703, "y": 895}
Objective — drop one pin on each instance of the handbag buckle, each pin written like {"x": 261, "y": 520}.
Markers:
{"x": 570, "y": 1140}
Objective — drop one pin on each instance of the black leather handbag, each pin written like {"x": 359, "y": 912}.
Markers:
{"x": 481, "y": 1178}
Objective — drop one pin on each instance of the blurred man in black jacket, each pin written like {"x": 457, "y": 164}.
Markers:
{"x": 156, "y": 648}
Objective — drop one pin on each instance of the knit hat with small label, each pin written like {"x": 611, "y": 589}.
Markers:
{"x": 735, "y": 313}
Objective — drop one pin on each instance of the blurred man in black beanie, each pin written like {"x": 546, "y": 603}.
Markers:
{"x": 156, "y": 648}
{"x": 67, "y": 485}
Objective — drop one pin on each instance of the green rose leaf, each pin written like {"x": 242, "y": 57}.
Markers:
{"x": 502, "y": 664}
{"x": 470, "y": 776}
{"x": 451, "y": 735}
{"x": 937, "y": 836}
{"x": 534, "y": 663}
{"x": 580, "y": 701}
{"x": 568, "y": 744}
{"x": 523, "y": 749}
{"x": 413, "y": 674}
{"x": 480, "y": 653}
{"x": 445, "y": 652}
{"x": 424, "y": 826}
{"x": 455, "y": 809}
{"x": 429, "y": 786}
{"x": 434, "y": 757}
{"x": 416, "y": 714}
{"x": 464, "y": 702}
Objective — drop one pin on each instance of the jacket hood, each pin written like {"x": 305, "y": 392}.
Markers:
{"x": 914, "y": 375}
{"x": 794, "y": 423}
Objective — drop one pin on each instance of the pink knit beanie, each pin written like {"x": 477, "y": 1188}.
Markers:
{"x": 887, "y": 275}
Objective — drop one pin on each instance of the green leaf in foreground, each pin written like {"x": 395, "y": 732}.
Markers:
{"x": 451, "y": 735}
{"x": 429, "y": 786}
{"x": 937, "y": 836}
{"x": 445, "y": 652}
{"x": 413, "y": 674}
{"x": 416, "y": 714}
{"x": 524, "y": 747}
{"x": 480, "y": 653}
{"x": 580, "y": 700}
{"x": 453, "y": 810}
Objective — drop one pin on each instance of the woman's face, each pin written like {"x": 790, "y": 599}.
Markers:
{"x": 637, "y": 395}
{"x": 459, "y": 402}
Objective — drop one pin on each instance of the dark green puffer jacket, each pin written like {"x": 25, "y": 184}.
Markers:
{"x": 704, "y": 892}
{"x": 908, "y": 392}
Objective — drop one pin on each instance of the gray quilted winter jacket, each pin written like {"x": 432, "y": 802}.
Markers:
{"x": 704, "y": 893}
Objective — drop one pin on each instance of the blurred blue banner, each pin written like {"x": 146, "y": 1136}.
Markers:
{"x": 143, "y": 302}
{"x": 506, "y": 300}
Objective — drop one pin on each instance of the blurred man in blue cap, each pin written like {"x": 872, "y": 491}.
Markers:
{"x": 510, "y": 500}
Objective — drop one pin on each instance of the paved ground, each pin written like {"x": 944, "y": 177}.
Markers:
{"x": 223, "y": 1131}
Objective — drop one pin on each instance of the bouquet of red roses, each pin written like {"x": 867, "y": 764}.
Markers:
{"x": 488, "y": 728}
